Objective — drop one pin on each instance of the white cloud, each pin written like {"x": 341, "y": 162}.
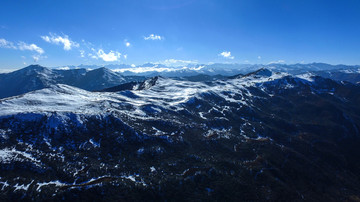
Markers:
{"x": 226, "y": 54}
{"x": 36, "y": 58}
{"x": 86, "y": 44}
{"x": 133, "y": 65}
{"x": 82, "y": 53}
{"x": 108, "y": 57}
{"x": 125, "y": 57}
{"x": 6, "y": 44}
{"x": 259, "y": 57}
{"x": 127, "y": 44}
{"x": 92, "y": 56}
{"x": 24, "y": 47}
{"x": 30, "y": 47}
{"x": 64, "y": 68}
{"x": 156, "y": 68}
{"x": 277, "y": 62}
{"x": 175, "y": 62}
{"x": 64, "y": 40}
{"x": 153, "y": 37}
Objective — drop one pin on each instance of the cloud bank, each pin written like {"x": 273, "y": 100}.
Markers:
{"x": 60, "y": 40}
{"x": 227, "y": 55}
{"x": 174, "y": 62}
{"x": 30, "y": 47}
{"x": 153, "y": 37}
{"x": 277, "y": 62}
{"x": 107, "y": 57}
{"x": 7, "y": 44}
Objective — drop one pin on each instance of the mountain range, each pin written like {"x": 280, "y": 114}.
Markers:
{"x": 252, "y": 136}
{"x": 226, "y": 69}
{"x": 95, "y": 78}
{"x": 35, "y": 77}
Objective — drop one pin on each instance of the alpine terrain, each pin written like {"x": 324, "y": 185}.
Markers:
{"x": 267, "y": 134}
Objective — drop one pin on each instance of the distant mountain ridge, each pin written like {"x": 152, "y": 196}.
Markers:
{"x": 152, "y": 69}
{"x": 95, "y": 78}
{"x": 350, "y": 73}
{"x": 35, "y": 77}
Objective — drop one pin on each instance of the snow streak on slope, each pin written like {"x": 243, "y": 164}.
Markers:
{"x": 166, "y": 93}
{"x": 7, "y": 155}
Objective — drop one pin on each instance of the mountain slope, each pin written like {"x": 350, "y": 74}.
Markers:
{"x": 35, "y": 77}
{"x": 349, "y": 75}
{"x": 98, "y": 79}
{"x": 260, "y": 136}
{"x": 31, "y": 78}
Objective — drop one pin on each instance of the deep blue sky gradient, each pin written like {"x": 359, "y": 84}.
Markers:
{"x": 295, "y": 31}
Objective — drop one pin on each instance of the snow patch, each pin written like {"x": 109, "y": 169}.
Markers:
{"x": 306, "y": 76}
{"x": 9, "y": 155}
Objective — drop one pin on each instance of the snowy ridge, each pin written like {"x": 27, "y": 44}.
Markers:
{"x": 306, "y": 76}
{"x": 166, "y": 93}
{"x": 234, "y": 128}
{"x": 35, "y": 77}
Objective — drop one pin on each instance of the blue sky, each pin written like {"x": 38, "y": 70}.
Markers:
{"x": 57, "y": 33}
